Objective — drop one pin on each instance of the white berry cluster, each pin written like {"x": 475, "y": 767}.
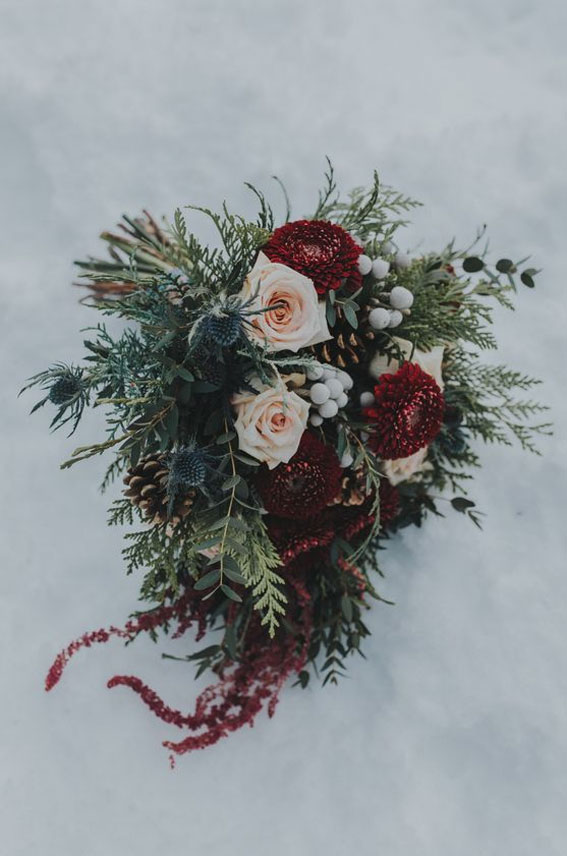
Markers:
{"x": 399, "y": 299}
{"x": 328, "y": 392}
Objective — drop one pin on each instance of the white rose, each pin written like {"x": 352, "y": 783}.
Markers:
{"x": 298, "y": 317}
{"x": 403, "y": 469}
{"x": 270, "y": 424}
{"x": 429, "y": 361}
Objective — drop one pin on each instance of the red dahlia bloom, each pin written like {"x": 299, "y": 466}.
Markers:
{"x": 293, "y": 539}
{"x": 354, "y": 522}
{"x": 303, "y": 486}
{"x": 320, "y": 250}
{"x": 407, "y": 414}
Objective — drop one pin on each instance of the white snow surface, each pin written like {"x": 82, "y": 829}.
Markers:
{"x": 450, "y": 739}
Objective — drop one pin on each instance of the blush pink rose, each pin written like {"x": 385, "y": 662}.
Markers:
{"x": 297, "y": 318}
{"x": 406, "y": 469}
{"x": 269, "y": 424}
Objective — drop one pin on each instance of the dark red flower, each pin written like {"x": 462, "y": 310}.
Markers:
{"x": 354, "y": 521}
{"x": 306, "y": 484}
{"x": 320, "y": 250}
{"x": 389, "y": 502}
{"x": 407, "y": 414}
{"x": 295, "y": 538}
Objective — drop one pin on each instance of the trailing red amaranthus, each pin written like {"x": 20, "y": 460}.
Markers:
{"x": 240, "y": 694}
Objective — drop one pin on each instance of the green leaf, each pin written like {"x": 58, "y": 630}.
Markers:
{"x": 246, "y": 459}
{"x": 242, "y": 490}
{"x": 230, "y": 482}
{"x": 346, "y": 608}
{"x": 230, "y": 593}
{"x": 185, "y": 393}
{"x": 204, "y": 386}
{"x": 350, "y": 315}
{"x": 527, "y": 279}
{"x": 185, "y": 373}
{"x": 472, "y": 264}
{"x": 218, "y": 524}
{"x": 235, "y": 546}
{"x": 166, "y": 340}
{"x": 163, "y": 435}
{"x": 232, "y": 570}
{"x": 204, "y": 653}
{"x": 331, "y": 314}
{"x": 229, "y": 640}
{"x": 459, "y": 503}
{"x": 225, "y": 438}
{"x": 135, "y": 453}
{"x": 341, "y": 442}
{"x": 238, "y": 523}
{"x": 172, "y": 422}
{"x": 207, "y": 580}
{"x": 204, "y": 545}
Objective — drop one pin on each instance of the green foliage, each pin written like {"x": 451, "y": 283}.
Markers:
{"x": 486, "y": 395}
{"x": 372, "y": 215}
{"x": 258, "y": 564}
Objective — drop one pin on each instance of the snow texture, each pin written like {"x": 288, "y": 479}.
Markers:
{"x": 450, "y": 739}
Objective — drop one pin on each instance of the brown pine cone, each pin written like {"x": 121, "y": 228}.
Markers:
{"x": 147, "y": 488}
{"x": 353, "y": 488}
{"x": 348, "y": 347}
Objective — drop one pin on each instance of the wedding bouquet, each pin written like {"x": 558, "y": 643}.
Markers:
{"x": 278, "y": 406}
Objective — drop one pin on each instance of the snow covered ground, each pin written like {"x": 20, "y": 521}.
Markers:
{"x": 450, "y": 740}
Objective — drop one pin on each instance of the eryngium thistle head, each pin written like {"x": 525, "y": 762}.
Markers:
{"x": 224, "y": 328}
{"x": 187, "y": 468}
{"x": 65, "y": 389}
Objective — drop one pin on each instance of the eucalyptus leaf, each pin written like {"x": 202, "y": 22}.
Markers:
{"x": 207, "y": 580}
{"x": 350, "y": 315}
{"x": 473, "y": 264}
{"x": 527, "y": 279}
{"x": 230, "y": 593}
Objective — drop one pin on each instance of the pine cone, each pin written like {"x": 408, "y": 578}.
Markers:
{"x": 147, "y": 488}
{"x": 348, "y": 347}
{"x": 353, "y": 488}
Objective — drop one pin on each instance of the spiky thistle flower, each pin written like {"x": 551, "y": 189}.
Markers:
{"x": 189, "y": 469}
{"x": 67, "y": 389}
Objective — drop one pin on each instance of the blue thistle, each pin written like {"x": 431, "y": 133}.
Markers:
{"x": 65, "y": 389}
{"x": 224, "y": 328}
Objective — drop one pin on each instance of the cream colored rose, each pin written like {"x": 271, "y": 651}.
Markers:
{"x": 429, "y": 361}
{"x": 270, "y": 424}
{"x": 297, "y": 318}
{"x": 404, "y": 469}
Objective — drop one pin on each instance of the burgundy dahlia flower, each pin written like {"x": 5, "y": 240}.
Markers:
{"x": 303, "y": 486}
{"x": 320, "y": 250}
{"x": 407, "y": 413}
